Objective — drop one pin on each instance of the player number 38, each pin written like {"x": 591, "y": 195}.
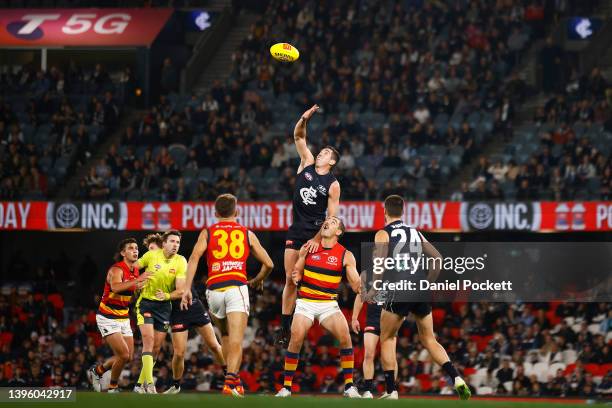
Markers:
{"x": 235, "y": 246}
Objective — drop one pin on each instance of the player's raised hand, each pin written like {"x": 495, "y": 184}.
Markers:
{"x": 308, "y": 114}
{"x": 186, "y": 300}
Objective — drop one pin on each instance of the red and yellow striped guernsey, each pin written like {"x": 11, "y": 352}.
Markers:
{"x": 117, "y": 305}
{"x": 322, "y": 274}
{"x": 227, "y": 254}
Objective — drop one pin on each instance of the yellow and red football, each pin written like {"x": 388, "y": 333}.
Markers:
{"x": 284, "y": 52}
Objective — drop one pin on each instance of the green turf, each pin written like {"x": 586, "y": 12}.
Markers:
{"x": 199, "y": 400}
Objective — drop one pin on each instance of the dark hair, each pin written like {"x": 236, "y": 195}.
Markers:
{"x": 152, "y": 239}
{"x": 122, "y": 245}
{"x": 225, "y": 205}
{"x": 171, "y": 232}
{"x": 394, "y": 206}
{"x": 335, "y": 154}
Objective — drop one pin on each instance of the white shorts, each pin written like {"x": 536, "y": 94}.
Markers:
{"x": 109, "y": 326}
{"x": 220, "y": 303}
{"x": 316, "y": 310}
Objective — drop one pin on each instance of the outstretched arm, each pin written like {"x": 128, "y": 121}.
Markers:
{"x": 260, "y": 253}
{"x": 299, "y": 135}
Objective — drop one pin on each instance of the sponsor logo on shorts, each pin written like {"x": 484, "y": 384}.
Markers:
{"x": 178, "y": 326}
{"x": 308, "y": 176}
{"x": 367, "y": 328}
{"x": 288, "y": 242}
{"x": 146, "y": 314}
{"x": 216, "y": 267}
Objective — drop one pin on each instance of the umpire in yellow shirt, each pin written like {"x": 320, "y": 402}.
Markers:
{"x": 154, "y": 307}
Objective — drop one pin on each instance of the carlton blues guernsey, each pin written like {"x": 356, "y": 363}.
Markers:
{"x": 404, "y": 239}
{"x": 309, "y": 205}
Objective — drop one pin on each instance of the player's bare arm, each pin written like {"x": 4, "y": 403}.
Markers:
{"x": 299, "y": 135}
{"x": 431, "y": 252}
{"x": 381, "y": 249}
{"x": 177, "y": 293}
{"x": 350, "y": 264}
{"x": 192, "y": 265}
{"x": 260, "y": 253}
{"x": 357, "y": 306}
{"x": 298, "y": 269}
{"x": 117, "y": 285}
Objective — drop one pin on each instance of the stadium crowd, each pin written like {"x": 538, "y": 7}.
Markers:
{"x": 410, "y": 101}
{"x": 504, "y": 349}
{"x": 562, "y": 154}
{"x": 49, "y": 123}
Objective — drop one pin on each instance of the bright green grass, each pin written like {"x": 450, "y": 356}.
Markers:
{"x": 199, "y": 400}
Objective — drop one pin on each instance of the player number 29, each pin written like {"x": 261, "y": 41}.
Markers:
{"x": 235, "y": 247}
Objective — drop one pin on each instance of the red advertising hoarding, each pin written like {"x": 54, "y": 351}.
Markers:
{"x": 437, "y": 216}
{"x": 81, "y": 27}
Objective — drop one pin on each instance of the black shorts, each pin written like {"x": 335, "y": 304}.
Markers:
{"x": 195, "y": 316}
{"x": 420, "y": 309}
{"x": 155, "y": 312}
{"x": 299, "y": 234}
{"x": 372, "y": 324}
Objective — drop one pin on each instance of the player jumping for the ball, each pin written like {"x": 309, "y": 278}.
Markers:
{"x": 316, "y": 192}
{"x": 390, "y": 240}
{"x": 319, "y": 275}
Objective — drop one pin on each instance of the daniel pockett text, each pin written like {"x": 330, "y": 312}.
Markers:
{"x": 488, "y": 271}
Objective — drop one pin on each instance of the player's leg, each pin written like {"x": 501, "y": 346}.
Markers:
{"x": 121, "y": 353}
{"x": 299, "y": 327}
{"x": 221, "y": 324}
{"x": 148, "y": 339}
{"x": 439, "y": 355}
{"x": 236, "y": 325}
{"x": 179, "y": 344}
{"x": 389, "y": 325}
{"x": 210, "y": 339}
{"x": 289, "y": 295}
{"x": 337, "y": 325}
{"x": 370, "y": 341}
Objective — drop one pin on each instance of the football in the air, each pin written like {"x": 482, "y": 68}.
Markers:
{"x": 284, "y": 52}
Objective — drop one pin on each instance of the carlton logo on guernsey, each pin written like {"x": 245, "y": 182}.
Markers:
{"x": 227, "y": 254}
{"x": 322, "y": 275}
{"x": 117, "y": 305}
